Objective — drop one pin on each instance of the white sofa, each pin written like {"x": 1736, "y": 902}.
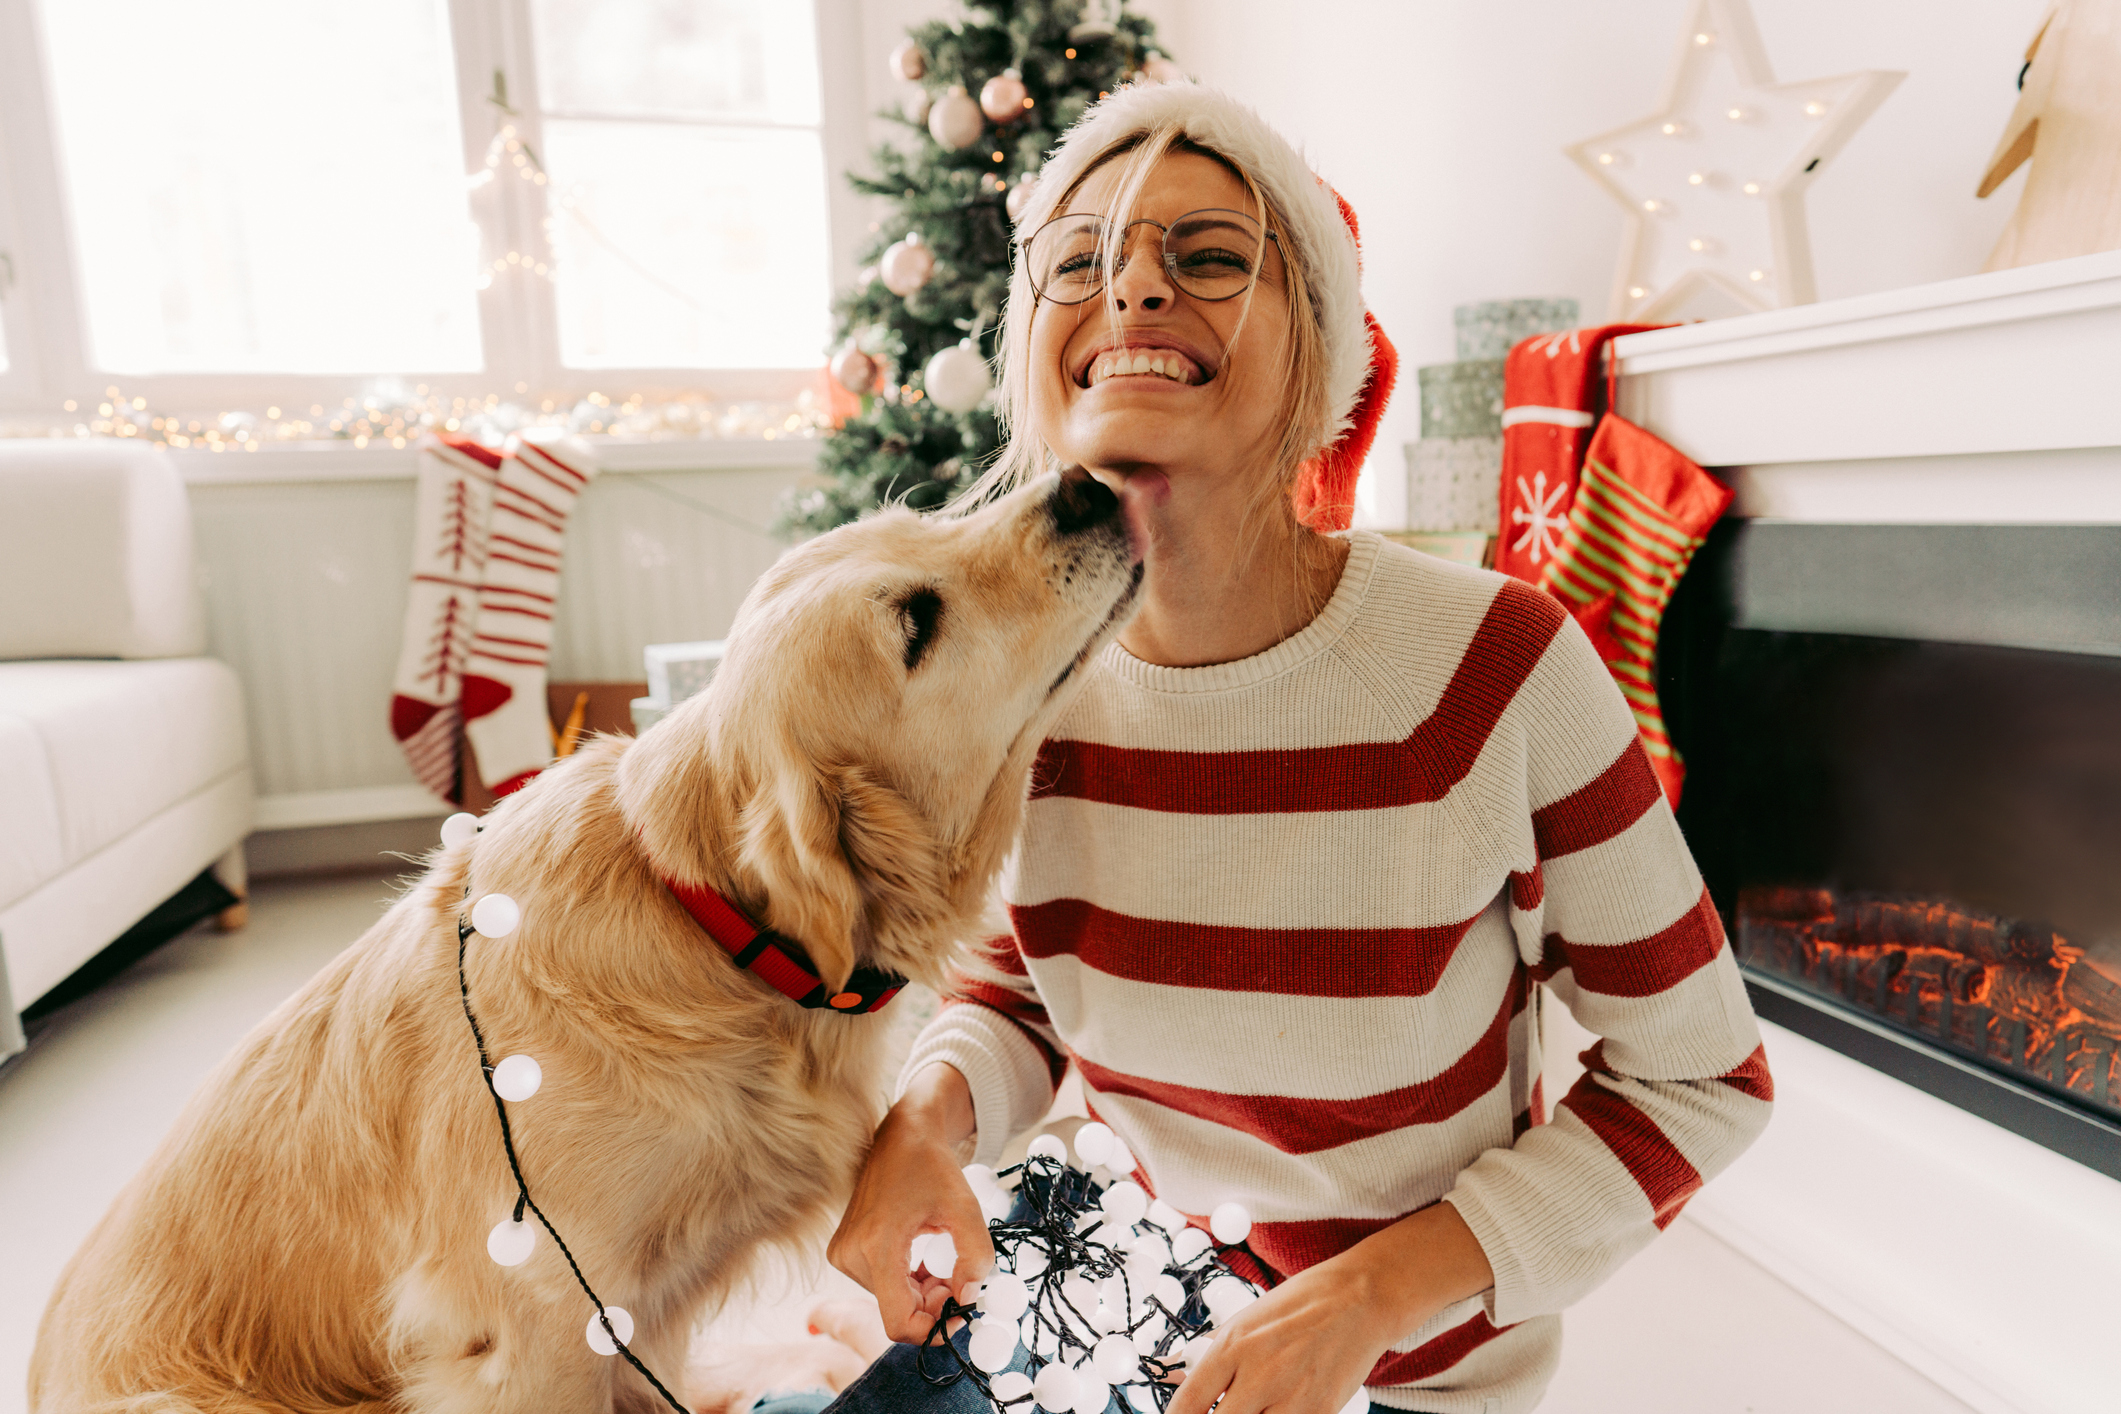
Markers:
{"x": 124, "y": 763}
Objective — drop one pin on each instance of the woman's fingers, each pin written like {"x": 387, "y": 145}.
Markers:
{"x": 1204, "y": 1381}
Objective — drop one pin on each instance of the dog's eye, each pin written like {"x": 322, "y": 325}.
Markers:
{"x": 919, "y": 613}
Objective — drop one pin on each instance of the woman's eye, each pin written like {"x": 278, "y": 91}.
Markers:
{"x": 1216, "y": 261}
{"x": 919, "y": 615}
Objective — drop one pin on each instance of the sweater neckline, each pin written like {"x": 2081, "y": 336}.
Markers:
{"x": 1306, "y": 643}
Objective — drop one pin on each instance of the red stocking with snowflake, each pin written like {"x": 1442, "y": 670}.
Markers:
{"x": 452, "y": 510}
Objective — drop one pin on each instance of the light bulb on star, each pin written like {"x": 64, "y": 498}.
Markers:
{"x": 1723, "y": 111}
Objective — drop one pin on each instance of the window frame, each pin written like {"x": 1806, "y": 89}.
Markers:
{"x": 44, "y": 314}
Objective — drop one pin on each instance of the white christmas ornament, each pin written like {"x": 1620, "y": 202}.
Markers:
{"x": 1047, "y": 1146}
{"x": 460, "y": 828}
{"x": 1055, "y": 1389}
{"x": 906, "y": 265}
{"x": 621, "y": 1326}
{"x": 1002, "y": 97}
{"x": 1091, "y": 1143}
{"x": 1230, "y": 1223}
{"x": 517, "y": 1078}
{"x": 956, "y": 380}
{"x": 510, "y": 1243}
{"x": 496, "y": 915}
{"x": 1713, "y": 182}
{"x": 956, "y": 121}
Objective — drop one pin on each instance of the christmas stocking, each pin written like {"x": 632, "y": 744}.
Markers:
{"x": 505, "y": 716}
{"x": 1640, "y": 512}
{"x": 1552, "y": 393}
{"x": 452, "y": 507}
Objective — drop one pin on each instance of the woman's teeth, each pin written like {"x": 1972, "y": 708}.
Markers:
{"x": 1121, "y": 362}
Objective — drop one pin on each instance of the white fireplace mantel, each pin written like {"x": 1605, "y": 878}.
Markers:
{"x": 1991, "y": 399}
{"x": 1987, "y": 1262}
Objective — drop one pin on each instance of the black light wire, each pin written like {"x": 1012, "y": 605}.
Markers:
{"x": 523, "y": 1198}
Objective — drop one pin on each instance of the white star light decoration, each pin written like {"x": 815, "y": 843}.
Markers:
{"x": 1713, "y": 182}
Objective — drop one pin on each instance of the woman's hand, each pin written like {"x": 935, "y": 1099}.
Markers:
{"x": 1306, "y": 1346}
{"x": 913, "y": 1183}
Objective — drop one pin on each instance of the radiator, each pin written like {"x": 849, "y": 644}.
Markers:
{"x": 304, "y": 558}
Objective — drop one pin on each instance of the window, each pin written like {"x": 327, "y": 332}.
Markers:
{"x": 249, "y": 200}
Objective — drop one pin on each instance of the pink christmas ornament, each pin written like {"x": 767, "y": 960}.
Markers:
{"x": 956, "y": 121}
{"x": 1020, "y": 197}
{"x": 907, "y": 62}
{"x": 855, "y": 371}
{"x": 907, "y": 264}
{"x": 1002, "y": 97}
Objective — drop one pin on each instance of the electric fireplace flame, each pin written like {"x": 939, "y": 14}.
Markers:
{"x": 2016, "y": 995}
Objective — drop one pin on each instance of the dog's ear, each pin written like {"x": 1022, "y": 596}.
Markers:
{"x": 836, "y": 847}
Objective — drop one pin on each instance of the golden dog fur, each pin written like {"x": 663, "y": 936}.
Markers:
{"x": 312, "y": 1234}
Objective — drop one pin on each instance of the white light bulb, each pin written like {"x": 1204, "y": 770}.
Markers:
{"x": 1076, "y": 1290}
{"x": 1230, "y": 1222}
{"x": 621, "y": 1326}
{"x": 1092, "y": 1393}
{"x": 1114, "y": 1359}
{"x": 1676, "y": 128}
{"x": 1814, "y": 109}
{"x": 1739, "y": 115}
{"x": 1165, "y": 1216}
{"x": 496, "y": 915}
{"x": 1695, "y": 179}
{"x": 1149, "y": 1333}
{"x": 510, "y": 1243}
{"x": 1009, "y": 1386}
{"x": 1751, "y": 189}
{"x": 1055, "y": 1389}
{"x": 1107, "y": 1317}
{"x": 1358, "y": 1404}
{"x": 1030, "y": 1262}
{"x": 1119, "y": 1158}
{"x": 1125, "y": 1203}
{"x": 1005, "y": 1296}
{"x": 993, "y": 1347}
{"x": 1189, "y": 1244}
{"x": 1636, "y": 292}
{"x": 1047, "y": 1146}
{"x": 977, "y": 1175}
{"x": 1607, "y": 159}
{"x": 918, "y": 1251}
{"x": 994, "y": 1203}
{"x": 1704, "y": 40}
{"x": 517, "y": 1078}
{"x": 1092, "y": 1142}
{"x": 1756, "y": 275}
{"x": 941, "y": 1256}
{"x": 1170, "y": 1291}
{"x": 460, "y": 828}
{"x": 1651, "y": 203}
{"x": 1147, "y": 1258}
{"x": 1225, "y": 1296}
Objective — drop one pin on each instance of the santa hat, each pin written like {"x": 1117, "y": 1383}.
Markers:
{"x": 1361, "y": 363}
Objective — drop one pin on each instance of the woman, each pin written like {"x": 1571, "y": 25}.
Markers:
{"x": 1310, "y": 833}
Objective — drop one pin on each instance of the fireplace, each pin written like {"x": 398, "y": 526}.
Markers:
{"x": 1904, "y": 753}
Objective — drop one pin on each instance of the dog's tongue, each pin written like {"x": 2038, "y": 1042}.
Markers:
{"x": 1140, "y": 494}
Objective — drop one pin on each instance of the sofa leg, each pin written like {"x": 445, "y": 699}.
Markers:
{"x": 233, "y": 874}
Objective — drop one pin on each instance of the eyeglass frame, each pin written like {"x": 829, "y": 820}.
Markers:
{"x": 1126, "y": 231}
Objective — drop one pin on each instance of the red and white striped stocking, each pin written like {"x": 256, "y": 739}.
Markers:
{"x": 504, "y": 678}
{"x": 453, "y": 506}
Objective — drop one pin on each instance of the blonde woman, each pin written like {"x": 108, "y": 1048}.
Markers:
{"x": 1311, "y": 833}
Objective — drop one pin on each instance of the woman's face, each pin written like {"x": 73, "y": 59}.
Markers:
{"x": 1224, "y": 406}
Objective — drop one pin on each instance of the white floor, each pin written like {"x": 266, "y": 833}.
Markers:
{"x": 1690, "y": 1327}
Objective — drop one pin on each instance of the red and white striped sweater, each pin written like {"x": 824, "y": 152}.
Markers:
{"x": 1286, "y": 916}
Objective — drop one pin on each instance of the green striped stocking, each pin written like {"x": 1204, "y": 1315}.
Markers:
{"x": 1640, "y": 513}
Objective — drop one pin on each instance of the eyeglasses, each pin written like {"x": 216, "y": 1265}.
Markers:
{"x": 1212, "y": 254}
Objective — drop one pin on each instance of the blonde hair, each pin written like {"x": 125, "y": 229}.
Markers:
{"x": 1024, "y": 455}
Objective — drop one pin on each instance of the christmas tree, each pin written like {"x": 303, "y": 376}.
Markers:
{"x": 916, "y": 335}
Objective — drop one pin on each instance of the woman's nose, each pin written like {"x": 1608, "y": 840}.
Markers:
{"x": 1142, "y": 283}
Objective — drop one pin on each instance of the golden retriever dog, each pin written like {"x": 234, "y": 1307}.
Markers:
{"x": 313, "y": 1234}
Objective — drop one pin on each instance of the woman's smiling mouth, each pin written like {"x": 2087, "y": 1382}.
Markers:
{"x": 1155, "y": 363}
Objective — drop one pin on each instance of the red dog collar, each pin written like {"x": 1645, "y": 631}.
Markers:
{"x": 781, "y": 961}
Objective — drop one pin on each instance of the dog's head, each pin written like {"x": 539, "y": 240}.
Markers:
{"x": 864, "y": 747}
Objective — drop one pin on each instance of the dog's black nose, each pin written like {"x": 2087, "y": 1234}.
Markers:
{"x": 1082, "y": 501}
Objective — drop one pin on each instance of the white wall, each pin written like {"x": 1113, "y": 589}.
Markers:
{"x": 1443, "y": 122}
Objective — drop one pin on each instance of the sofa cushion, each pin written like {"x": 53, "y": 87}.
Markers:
{"x": 29, "y": 811}
{"x": 95, "y": 552}
{"x": 121, "y": 742}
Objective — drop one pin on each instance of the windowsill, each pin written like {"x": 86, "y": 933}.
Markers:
{"x": 340, "y": 461}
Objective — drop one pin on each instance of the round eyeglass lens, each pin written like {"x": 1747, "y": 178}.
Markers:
{"x": 1211, "y": 254}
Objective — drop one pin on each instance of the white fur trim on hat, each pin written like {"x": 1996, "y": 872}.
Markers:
{"x": 1322, "y": 242}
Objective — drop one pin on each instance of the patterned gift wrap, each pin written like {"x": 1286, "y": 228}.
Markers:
{"x": 1461, "y": 399}
{"x": 1453, "y": 483}
{"x": 1492, "y": 328}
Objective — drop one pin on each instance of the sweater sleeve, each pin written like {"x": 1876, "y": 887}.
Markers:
{"x": 993, "y": 1030}
{"x": 1609, "y": 910}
